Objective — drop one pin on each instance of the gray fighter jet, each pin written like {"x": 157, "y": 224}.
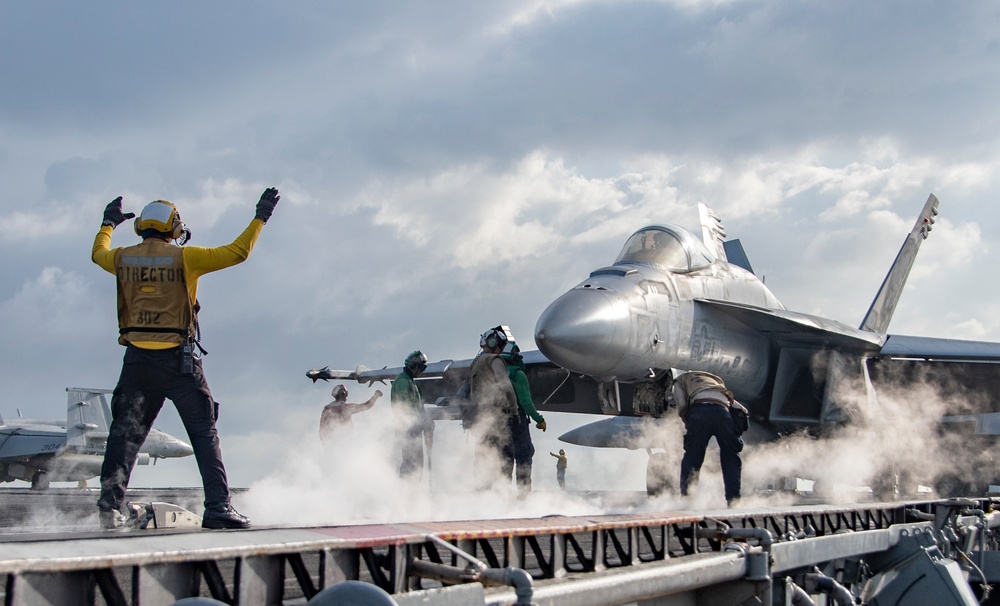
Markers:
{"x": 673, "y": 301}
{"x": 41, "y": 451}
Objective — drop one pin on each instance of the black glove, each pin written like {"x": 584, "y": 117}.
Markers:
{"x": 268, "y": 200}
{"x": 113, "y": 214}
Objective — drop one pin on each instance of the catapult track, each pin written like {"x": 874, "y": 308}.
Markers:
{"x": 612, "y": 558}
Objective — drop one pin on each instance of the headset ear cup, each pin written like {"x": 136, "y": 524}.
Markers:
{"x": 178, "y": 228}
{"x": 135, "y": 225}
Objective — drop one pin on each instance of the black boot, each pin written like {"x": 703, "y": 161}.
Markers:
{"x": 223, "y": 515}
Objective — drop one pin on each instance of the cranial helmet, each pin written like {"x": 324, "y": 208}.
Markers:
{"x": 497, "y": 336}
{"x": 161, "y": 216}
{"x": 339, "y": 391}
{"x": 416, "y": 362}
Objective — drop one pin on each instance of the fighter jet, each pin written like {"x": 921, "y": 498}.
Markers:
{"x": 41, "y": 451}
{"x": 672, "y": 301}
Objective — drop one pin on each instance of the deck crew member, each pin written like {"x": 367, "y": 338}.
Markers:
{"x": 409, "y": 420}
{"x": 703, "y": 403}
{"x": 158, "y": 325}
{"x": 562, "y": 461}
{"x": 494, "y": 402}
{"x": 521, "y": 451}
{"x": 337, "y": 414}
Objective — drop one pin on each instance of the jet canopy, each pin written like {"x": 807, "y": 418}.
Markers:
{"x": 668, "y": 246}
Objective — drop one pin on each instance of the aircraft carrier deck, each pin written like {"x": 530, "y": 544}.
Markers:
{"x": 915, "y": 552}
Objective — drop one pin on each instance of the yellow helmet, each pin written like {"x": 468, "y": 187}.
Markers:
{"x": 161, "y": 216}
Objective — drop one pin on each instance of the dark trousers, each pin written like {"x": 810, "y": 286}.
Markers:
{"x": 703, "y": 422}
{"x": 148, "y": 377}
{"x": 520, "y": 452}
{"x": 495, "y": 448}
{"x": 411, "y": 453}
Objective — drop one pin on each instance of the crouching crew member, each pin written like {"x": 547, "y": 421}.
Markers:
{"x": 158, "y": 325}
{"x": 703, "y": 404}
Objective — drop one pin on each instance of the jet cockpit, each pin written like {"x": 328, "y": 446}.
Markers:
{"x": 667, "y": 246}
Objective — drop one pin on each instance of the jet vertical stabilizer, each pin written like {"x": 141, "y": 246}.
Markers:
{"x": 880, "y": 313}
{"x": 736, "y": 255}
{"x": 713, "y": 234}
{"x": 87, "y": 415}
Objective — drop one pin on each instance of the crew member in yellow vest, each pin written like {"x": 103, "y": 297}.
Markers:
{"x": 158, "y": 325}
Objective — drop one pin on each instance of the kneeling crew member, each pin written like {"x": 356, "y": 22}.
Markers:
{"x": 158, "y": 325}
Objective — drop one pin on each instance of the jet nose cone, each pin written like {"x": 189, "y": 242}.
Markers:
{"x": 176, "y": 448}
{"x": 585, "y": 331}
{"x": 184, "y": 449}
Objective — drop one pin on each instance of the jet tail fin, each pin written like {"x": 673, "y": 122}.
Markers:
{"x": 880, "y": 313}
{"x": 87, "y": 415}
{"x": 736, "y": 255}
{"x": 713, "y": 234}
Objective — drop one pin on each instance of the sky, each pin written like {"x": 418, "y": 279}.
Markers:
{"x": 446, "y": 167}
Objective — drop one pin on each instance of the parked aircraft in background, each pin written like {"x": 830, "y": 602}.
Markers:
{"x": 41, "y": 451}
{"x": 672, "y": 302}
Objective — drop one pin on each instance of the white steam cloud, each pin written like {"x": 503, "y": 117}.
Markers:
{"x": 354, "y": 479}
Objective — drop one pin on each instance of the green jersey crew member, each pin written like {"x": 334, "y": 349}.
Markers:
{"x": 412, "y": 428}
{"x": 157, "y": 323}
{"x": 520, "y": 450}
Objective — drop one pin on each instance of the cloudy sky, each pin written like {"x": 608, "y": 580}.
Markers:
{"x": 448, "y": 166}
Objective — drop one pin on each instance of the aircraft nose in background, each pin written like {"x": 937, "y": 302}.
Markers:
{"x": 586, "y": 331}
{"x": 181, "y": 449}
{"x": 162, "y": 445}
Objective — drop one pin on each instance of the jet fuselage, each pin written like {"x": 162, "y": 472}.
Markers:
{"x": 640, "y": 317}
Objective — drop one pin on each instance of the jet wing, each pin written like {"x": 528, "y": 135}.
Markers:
{"x": 945, "y": 350}
{"x": 792, "y": 329}
{"x": 17, "y": 442}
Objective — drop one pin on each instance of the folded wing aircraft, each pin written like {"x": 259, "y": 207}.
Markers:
{"x": 673, "y": 301}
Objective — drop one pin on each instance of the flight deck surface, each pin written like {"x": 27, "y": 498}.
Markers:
{"x": 557, "y": 559}
{"x": 622, "y": 557}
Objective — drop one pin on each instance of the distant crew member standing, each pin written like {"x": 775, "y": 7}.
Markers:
{"x": 158, "y": 325}
{"x": 521, "y": 451}
{"x": 703, "y": 403}
{"x": 561, "y": 464}
{"x": 337, "y": 414}
{"x": 409, "y": 420}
